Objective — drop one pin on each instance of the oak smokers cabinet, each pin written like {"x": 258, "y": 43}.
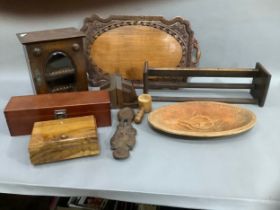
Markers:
{"x": 56, "y": 60}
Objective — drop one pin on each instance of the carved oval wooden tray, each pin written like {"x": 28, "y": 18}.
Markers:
{"x": 202, "y": 119}
{"x": 125, "y": 49}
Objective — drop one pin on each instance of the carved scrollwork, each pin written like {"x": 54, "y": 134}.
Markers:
{"x": 178, "y": 28}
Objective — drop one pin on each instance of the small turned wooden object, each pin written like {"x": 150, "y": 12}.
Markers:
{"x": 123, "y": 139}
{"x": 145, "y": 106}
{"x": 63, "y": 139}
{"x": 56, "y": 60}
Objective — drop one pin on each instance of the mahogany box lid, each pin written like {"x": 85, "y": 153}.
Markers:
{"x": 22, "y": 111}
{"x": 58, "y": 100}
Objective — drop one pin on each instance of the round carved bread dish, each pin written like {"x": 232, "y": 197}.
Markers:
{"x": 202, "y": 119}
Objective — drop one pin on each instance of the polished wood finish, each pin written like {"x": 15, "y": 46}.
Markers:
{"x": 39, "y": 48}
{"x": 63, "y": 139}
{"x": 49, "y": 35}
{"x": 122, "y": 43}
{"x": 202, "y": 119}
{"x": 115, "y": 50}
{"x": 261, "y": 83}
{"x": 258, "y": 88}
{"x": 22, "y": 111}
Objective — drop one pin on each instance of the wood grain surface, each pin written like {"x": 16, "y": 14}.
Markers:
{"x": 124, "y": 50}
{"x": 22, "y": 111}
{"x": 63, "y": 139}
{"x": 202, "y": 119}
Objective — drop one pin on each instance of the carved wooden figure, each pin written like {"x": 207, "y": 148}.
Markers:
{"x": 56, "y": 60}
{"x": 124, "y": 138}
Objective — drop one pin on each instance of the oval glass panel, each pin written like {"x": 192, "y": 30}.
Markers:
{"x": 202, "y": 119}
{"x": 125, "y": 49}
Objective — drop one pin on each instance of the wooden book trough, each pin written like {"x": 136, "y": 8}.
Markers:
{"x": 63, "y": 139}
{"x": 257, "y": 88}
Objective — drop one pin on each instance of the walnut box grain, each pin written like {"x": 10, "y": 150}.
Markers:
{"x": 63, "y": 139}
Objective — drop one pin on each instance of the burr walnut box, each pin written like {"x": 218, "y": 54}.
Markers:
{"x": 22, "y": 112}
{"x": 63, "y": 139}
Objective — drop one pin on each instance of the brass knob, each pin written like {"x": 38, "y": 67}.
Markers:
{"x": 37, "y": 51}
{"x": 76, "y": 47}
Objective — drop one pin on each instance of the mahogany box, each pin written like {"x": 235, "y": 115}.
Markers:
{"x": 22, "y": 112}
{"x": 63, "y": 139}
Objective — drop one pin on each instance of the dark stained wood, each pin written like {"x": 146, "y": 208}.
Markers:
{"x": 203, "y": 72}
{"x": 49, "y": 35}
{"x": 166, "y": 43}
{"x": 261, "y": 82}
{"x": 41, "y": 46}
{"x": 201, "y": 85}
{"x": 258, "y": 87}
{"x": 122, "y": 93}
{"x": 224, "y": 100}
{"x": 22, "y": 111}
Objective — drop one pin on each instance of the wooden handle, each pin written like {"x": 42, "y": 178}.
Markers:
{"x": 139, "y": 115}
{"x": 198, "y": 52}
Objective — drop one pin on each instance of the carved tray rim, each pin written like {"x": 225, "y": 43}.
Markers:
{"x": 94, "y": 26}
{"x": 211, "y": 134}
